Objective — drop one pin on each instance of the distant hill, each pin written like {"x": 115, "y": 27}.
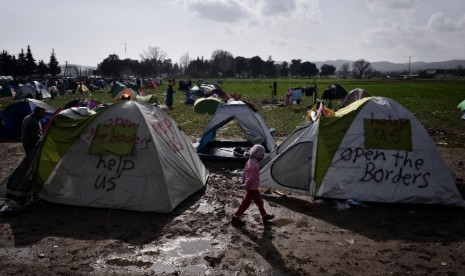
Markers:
{"x": 386, "y": 66}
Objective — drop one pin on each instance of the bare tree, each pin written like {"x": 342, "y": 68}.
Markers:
{"x": 223, "y": 63}
{"x": 360, "y": 67}
{"x": 153, "y": 58}
{"x": 344, "y": 71}
{"x": 153, "y": 53}
{"x": 184, "y": 63}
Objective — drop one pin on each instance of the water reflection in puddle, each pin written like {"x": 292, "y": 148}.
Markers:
{"x": 205, "y": 208}
{"x": 22, "y": 252}
{"x": 185, "y": 246}
{"x": 173, "y": 253}
{"x": 174, "y": 256}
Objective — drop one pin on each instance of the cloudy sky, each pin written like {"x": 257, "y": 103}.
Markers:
{"x": 85, "y": 32}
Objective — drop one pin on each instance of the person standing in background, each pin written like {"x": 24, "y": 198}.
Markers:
{"x": 31, "y": 129}
{"x": 169, "y": 96}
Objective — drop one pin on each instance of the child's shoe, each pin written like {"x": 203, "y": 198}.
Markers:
{"x": 236, "y": 221}
{"x": 267, "y": 217}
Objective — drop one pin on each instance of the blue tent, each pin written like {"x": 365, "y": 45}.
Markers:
{"x": 7, "y": 91}
{"x": 251, "y": 123}
{"x": 101, "y": 83}
{"x": 14, "y": 114}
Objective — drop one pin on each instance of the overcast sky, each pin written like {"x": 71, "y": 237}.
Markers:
{"x": 85, "y": 32}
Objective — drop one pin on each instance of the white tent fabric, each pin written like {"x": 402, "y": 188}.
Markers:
{"x": 367, "y": 174}
{"x": 48, "y": 108}
{"x": 161, "y": 170}
{"x": 22, "y": 92}
{"x": 31, "y": 88}
{"x": 39, "y": 87}
{"x": 286, "y": 143}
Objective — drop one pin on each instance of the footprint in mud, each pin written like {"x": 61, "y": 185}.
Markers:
{"x": 124, "y": 262}
{"x": 281, "y": 222}
{"x": 235, "y": 239}
{"x": 214, "y": 261}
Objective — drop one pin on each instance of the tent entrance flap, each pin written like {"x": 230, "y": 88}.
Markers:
{"x": 293, "y": 170}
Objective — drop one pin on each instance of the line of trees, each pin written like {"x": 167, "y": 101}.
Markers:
{"x": 25, "y": 66}
{"x": 154, "y": 62}
{"x": 222, "y": 64}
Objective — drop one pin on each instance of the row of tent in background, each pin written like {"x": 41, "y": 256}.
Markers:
{"x": 192, "y": 94}
{"x": 12, "y": 115}
{"x": 206, "y": 99}
{"x": 337, "y": 92}
{"x": 339, "y": 157}
{"x": 47, "y": 88}
{"x": 332, "y": 92}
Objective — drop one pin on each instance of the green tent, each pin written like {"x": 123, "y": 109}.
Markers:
{"x": 150, "y": 98}
{"x": 206, "y": 105}
{"x": 126, "y": 92}
{"x": 461, "y": 106}
{"x": 372, "y": 150}
{"x": 116, "y": 88}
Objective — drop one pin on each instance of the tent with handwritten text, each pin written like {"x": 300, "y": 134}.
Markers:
{"x": 372, "y": 150}
{"x": 128, "y": 155}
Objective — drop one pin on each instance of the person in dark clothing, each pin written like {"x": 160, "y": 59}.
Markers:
{"x": 188, "y": 99}
{"x": 169, "y": 97}
{"x": 39, "y": 95}
{"x": 31, "y": 129}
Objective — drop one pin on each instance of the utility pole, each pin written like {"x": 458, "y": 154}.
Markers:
{"x": 408, "y": 76}
{"x": 187, "y": 64}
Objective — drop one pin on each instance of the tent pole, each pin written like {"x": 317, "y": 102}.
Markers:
{"x": 108, "y": 216}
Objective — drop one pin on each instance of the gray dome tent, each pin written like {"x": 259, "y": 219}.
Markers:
{"x": 354, "y": 95}
{"x": 251, "y": 123}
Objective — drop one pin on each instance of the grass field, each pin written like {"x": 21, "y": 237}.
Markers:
{"x": 434, "y": 103}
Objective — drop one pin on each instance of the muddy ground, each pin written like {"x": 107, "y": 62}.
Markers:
{"x": 198, "y": 239}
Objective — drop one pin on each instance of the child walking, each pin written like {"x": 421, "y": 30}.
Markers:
{"x": 251, "y": 181}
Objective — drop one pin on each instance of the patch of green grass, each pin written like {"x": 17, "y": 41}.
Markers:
{"x": 433, "y": 102}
